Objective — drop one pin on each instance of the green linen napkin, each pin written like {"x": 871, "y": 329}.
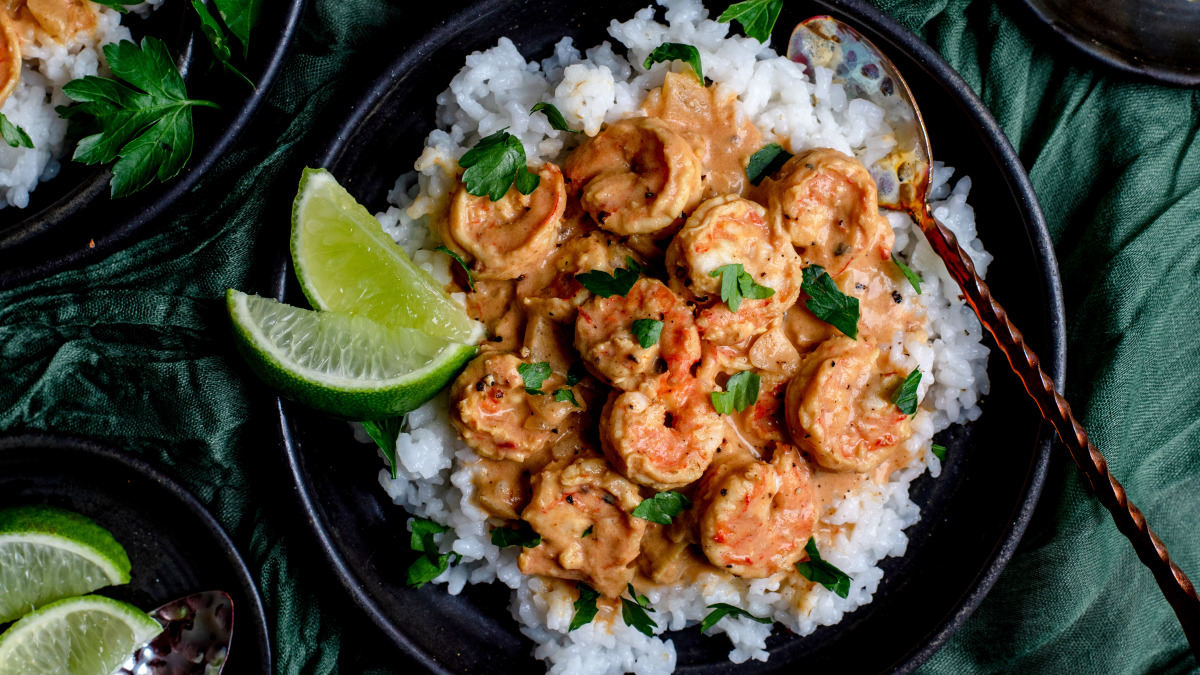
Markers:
{"x": 134, "y": 350}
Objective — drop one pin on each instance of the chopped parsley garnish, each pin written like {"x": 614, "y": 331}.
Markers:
{"x": 239, "y": 17}
{"x": 496, "y": 163}
{"x": 828, "y": 303}
{"x": 741, "y": 392}
{"x": 905, "y": 396}
{"x": 144, "y": 116}
{"x": 13, "y": 134}
{"x": 662, "y": 507}
{"x": 385, "y": 433}
{"x": 633, "y": 612}
{"x": 566, "y": 396}
{"x": 521, "y": 535}
{"x": 118, "y": 5}
{"x": 463, "y": 263}
{"x": 607, "y": 285}
{"x": 427, "y": 567}
{"x": 585, "y": 606}
{"x": 722, "y": 609}
{"x": 218, "y": 41}
{"x": 676, "y": 51}
{"x": 908, "y": 274}
{"x": 587, "y": 531}
{"x": 576, "y": 373}
{"x": 736, "y": 283}
{"x": 756, "y": 16}
{"x": 939, "y": 451}
{"x": 766, "y": 161}
{"x": 820, "y": 572}
{"x": 533, "y": 375}
{"x": 557, "y": 121}
{"x": 647, "y": 332}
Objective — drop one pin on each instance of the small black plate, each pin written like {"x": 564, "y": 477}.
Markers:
{"x": 71, "y": 219}
{"x": 1156, "y": 39}
{"x": 176, "y": 547}
{"x": 973, "y": 514}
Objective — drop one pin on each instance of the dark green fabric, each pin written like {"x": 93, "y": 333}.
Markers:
{"x": 134, "y": 350}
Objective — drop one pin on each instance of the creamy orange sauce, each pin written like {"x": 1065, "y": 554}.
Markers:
{"x": 22, "y": 21}
{"x": 579, "y": 478}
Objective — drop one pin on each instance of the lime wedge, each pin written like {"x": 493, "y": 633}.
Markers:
{"x": 346, "y": 263}
{"x": 48, "y": 553}
{"x": 91, "y": 635}
{"x": 346, "y": 365}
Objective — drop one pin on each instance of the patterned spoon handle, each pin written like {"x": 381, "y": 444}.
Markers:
{"x": 1174, "y": 583}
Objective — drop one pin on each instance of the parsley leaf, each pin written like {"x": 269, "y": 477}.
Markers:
{"x": 149, "y": 128}
{"x": 585, "y": 606}
{"x": 13, "y": 134}
{"x": 821, "y": 572}
{"x": 939, "y": 451}
{"x": 676, "y": 51}
{"x": 566, "y": 396}
{"x": 647, "y": 332}
{"x": 607, "y": 285}
{"x": 427, "y": 567}
{"x": 495, "y": 163}
{"x": 533, "y": 374}
{"x": 239, "y": 16}
{"x": 827, "y": 302}
{"x": 384, "y": 433}
{"x": 119, "y": 5}
{"x": 587, "y": 531}
{"x": 576, "y": 373}
{"x": 769, "y": 159}
{"x": 521, "y": 535}
{"x": 905, "y": 395}
{"x": 557, "y": 121}
{"x": 741, "y": 392}
{"x": 756, "y": 16}
{"x": 217, "y": 41}
{"x": 633, "y": 612}
{"x": 736, "y": 284}
{"x": 452, "y": 254}
{"x": 722, "y": 609}
{"x": 662, "y": 507}
{"x": 908, "y": 274}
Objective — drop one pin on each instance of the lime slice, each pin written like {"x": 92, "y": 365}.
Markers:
{"x": 343, "y": 364}
{"x": 92, "y": 635}
{"x": 48, "y": 553}
{"x": 347, "y": 263}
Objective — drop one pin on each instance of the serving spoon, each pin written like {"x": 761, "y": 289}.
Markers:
{"x": 197, "y": 631}
{"x": 904, "y": 185}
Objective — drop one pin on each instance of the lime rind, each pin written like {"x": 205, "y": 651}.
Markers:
{"x": 89, "y": 635}
{"x": 345, "y": 262}
{"x": 342, "y": 364}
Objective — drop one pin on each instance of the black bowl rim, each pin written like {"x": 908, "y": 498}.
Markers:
{"x": 37, "y": 266}
{"x": 1024, "y": 195}
{"x": 1110, "y": 56}
{"x": 52, "y": 441}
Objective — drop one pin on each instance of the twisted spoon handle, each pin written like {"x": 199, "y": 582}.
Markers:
{"x": 1174, "y": 583}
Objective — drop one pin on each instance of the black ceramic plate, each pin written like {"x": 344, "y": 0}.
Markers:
{"x": 1158, "y": 39}
{"x": 174, "y": 544}
{"x": 974, "y": 513}
{"x": 71, "y": 219}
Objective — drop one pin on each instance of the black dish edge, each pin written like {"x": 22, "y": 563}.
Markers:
{"x": 54, "y": 441}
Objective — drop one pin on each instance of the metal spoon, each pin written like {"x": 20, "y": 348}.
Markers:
{"x": 197, "y": 631}
{"x": 903, "y": 180}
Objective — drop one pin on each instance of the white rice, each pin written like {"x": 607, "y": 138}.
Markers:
{"x": 47, "y": 65}
{"x": 495, "y": 90}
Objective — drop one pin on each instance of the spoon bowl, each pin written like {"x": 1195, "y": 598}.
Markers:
{"x": 196, "y": 637}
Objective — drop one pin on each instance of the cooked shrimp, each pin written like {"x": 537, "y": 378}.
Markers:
{"x": 496, "y": 416}
{"x": 604, "y": 335}
{"x": 554, "y": 292}
{"x": 763, "y": 420}
{"x": 62, "y": 19}
{"x": 838, "y": 408}
{"x": 10, "y": 55}
{"x": 756, "y": 516}
{"x": 730, "y": 230}
{"x": 571, "y": 500}
{"x": 510, "y": 237}
{"x": 827, "y": 203}
{"x": 663, "y": 438}
{"x": 636, "y": 177}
